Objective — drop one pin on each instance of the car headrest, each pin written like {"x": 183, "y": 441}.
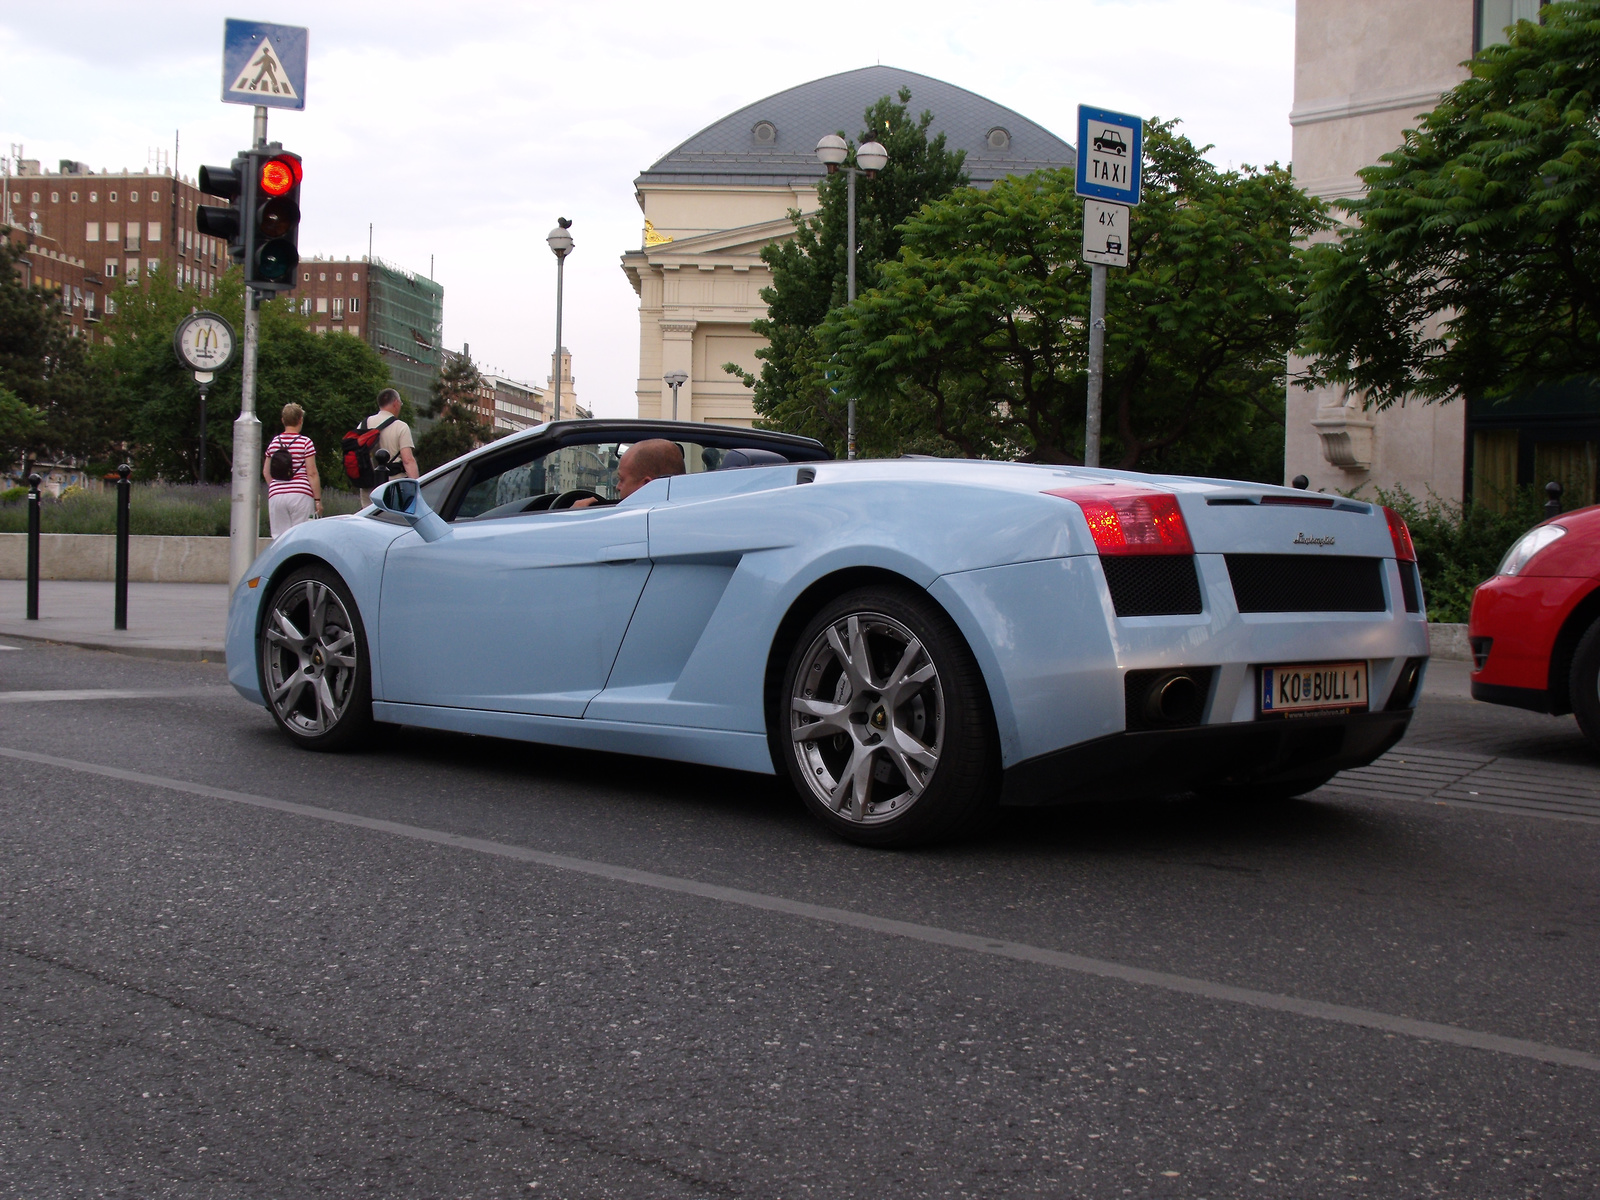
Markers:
{"x": 750, "y": 457}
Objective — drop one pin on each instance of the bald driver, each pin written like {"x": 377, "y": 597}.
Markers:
{"x": 654, "y": 458}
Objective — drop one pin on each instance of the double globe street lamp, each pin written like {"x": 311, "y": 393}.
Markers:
{"x": 871, "y": 158}
{"x": 560, "y": 243}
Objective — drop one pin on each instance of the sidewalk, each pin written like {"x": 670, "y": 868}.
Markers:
{"x": 183, "y": 621}
{"x": 187, "y": 621}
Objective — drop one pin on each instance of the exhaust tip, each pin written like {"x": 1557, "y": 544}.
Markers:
{"x": 1173, "y": 698}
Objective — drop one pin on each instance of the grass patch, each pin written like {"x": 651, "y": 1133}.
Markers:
{"x": 154, "y": 509}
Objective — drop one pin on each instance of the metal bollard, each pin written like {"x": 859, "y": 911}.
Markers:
{"x": 124, "y": 492}
{"x": 1552, "y": 506}
{"x": 33, "y": 547}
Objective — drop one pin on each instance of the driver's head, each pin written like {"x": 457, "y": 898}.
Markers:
{"x": 641, "y": 462}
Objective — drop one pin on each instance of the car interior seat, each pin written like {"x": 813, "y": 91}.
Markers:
{"x": 750, "y": 457}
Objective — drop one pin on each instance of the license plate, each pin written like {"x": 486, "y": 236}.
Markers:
{"x": 1301, "y": 688}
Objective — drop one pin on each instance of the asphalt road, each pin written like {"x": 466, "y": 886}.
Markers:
{"x": 458, "y": 967}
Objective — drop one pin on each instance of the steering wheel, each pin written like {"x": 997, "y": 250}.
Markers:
{"x": 568, "y": 499}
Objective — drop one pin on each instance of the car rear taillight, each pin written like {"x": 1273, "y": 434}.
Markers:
{"x": 1123, "y": 521}
{"x": 1401, "y": 536}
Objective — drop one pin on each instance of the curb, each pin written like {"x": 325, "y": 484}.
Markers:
{"x": 165, "y": 653}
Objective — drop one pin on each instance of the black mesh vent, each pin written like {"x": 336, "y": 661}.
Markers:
{"x": 1152, "y": 585}
{"x": 1411, "y": 587}
{"x": 1300, "y": 583}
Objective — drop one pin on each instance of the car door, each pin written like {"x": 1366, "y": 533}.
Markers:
{"x": 514, "y": 611}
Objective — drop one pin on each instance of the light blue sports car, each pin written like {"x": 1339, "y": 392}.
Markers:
{"x": 912, "y": 641}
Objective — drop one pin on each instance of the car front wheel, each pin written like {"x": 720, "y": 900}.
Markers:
{"x": 1583, "y": 684}
{"x": 313, "y": 653}
{"x": 886, "y": 729}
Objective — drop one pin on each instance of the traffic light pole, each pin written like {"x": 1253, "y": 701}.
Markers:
{"x": 244, "y": 517}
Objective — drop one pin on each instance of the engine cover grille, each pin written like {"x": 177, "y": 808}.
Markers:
{"x": 1300, "y": 583}
{"x": 1152, "y": 585}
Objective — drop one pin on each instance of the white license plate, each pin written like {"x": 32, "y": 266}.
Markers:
{"x": 1298, "y": 688}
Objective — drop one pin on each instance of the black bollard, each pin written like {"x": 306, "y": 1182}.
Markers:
{"x": 1552, "y": 505}
{"x": 33, "y": 547}
{"x": 124, "y": 491}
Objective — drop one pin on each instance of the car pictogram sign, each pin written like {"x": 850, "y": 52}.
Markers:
{"x": 1110, "y": 154}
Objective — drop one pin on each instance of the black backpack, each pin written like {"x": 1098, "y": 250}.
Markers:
{"x": 281, "y": 464}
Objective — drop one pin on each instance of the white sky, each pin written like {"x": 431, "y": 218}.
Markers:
{"x": 462, "y": 130}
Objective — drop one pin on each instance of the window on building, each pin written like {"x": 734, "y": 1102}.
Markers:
{"x": 133, "y": 237}
{"x": 338, "y": 276}
{"x": 306, "y": 277}
{"x": 113, "y": 231}
{"x": 153, "y": 230}
{"x": 55, "y": 197}
{"x": 322, "y": 304}
{"x": 1494, "y": 16}
{"x": 91, "y": 231}
{"x": 73, "y": 196}
{"x": 112, "y": 196}
{"x": 322, "y": 277}
{"x": 355, "y": 276}
{"x": 155, "y": 197}
{"x": 132, "y": 266}
{"x": 94, "y": 197}
{"x": 353, "y": 330}
{"x": 133, "y": 197}
{"x": 152, "y": 265}
{"x": 305, "y": 307}
{"x": 111, "y": 268}
{"x": 355, "y": 304}
{"x": 338, "y": 306}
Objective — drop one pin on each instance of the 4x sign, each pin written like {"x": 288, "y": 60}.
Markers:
{"x": 264, "y": 64}
{"x": 1110, "y": 154}
{"x": 1105, "y": 233}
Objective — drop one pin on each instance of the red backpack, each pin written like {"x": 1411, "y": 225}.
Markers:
{"x": 358, "y": 445}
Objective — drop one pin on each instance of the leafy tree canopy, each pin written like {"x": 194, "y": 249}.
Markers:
{"x": 335, "y": 377}
{"x": 975, "y": 341}
{"x": 809, "y": 271}
{"x": 1471, "y": 269}
{"x": 457, "y": 428}
{"x": 43, "y": 366}
{"x": 21, "y": 425}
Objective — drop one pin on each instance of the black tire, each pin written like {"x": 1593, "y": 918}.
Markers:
{"x": 324, "y": 652}
{"x": 914, "y": 756}
{"x": 1583, "y": 684}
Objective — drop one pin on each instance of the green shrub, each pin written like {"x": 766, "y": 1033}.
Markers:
{"x": 174, "y": 510}
{"x": 1460, "y": 545}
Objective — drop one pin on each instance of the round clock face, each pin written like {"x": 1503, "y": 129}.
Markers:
{"x": 205, "y": 342}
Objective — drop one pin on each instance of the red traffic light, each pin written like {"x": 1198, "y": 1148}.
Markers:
{"x": 280, "y": 175}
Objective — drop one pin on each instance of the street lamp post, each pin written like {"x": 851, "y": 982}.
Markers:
{"x": 675, "y": 380}
{"x": 871, "y": 158}
{"x": 560, "y": 243}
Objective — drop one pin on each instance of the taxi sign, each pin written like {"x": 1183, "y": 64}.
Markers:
{"x": 1110, "y": 154}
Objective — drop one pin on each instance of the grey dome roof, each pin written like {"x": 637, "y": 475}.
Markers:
{"x": 774, "y": 140}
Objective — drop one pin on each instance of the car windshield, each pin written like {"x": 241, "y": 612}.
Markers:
{"x": 511, "y": 487}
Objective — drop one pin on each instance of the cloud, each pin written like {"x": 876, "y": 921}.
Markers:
{"x": 462, "y": 131}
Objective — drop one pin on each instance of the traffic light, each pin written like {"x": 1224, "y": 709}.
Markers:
{"x": 272, "y": 245}
{"x": 219, "y": 222}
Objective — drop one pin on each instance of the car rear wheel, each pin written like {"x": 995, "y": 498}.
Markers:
{"x": 886, "y": 729}
{"x": 1583, "y": 684}
{"x": 314, "y": 670}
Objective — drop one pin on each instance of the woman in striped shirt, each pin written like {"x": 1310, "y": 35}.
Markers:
{"x": 298, "y": 497}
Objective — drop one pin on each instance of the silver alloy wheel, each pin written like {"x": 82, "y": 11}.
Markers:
{"x": 310, "y": 658}
{"x": 867, "y": 717}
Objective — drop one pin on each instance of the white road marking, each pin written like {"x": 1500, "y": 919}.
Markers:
{"x": 10, "y": 647}
{"x": 110, "y": 694}
{"x": 1341, "y": 1014}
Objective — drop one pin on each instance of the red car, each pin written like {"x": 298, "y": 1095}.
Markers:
{"x": 1535, "y": 627}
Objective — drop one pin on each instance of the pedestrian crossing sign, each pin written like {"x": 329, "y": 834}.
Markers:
{"x": 264, "y": 64}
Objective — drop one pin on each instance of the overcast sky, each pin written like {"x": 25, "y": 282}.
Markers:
{"x": 462, "y": 130}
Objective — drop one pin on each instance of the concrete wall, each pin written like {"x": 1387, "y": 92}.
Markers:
{"x": 1364, "y": 70}
{"x": 93, "y": 556}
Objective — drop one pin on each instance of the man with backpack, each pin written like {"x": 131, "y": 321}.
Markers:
{"x": 383, "y": 430}
{"x": 294, "y": 489}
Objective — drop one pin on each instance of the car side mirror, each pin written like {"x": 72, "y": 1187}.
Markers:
{"x": 403, "y": 498}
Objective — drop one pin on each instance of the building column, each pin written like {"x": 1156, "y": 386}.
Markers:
{"x": 677, "y": 354}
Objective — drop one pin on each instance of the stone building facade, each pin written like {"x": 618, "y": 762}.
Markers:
{"x": 711, "y": 204}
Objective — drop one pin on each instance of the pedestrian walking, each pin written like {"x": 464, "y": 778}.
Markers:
{"x": 294, "y": 489}
{"x": 394, "y": 436}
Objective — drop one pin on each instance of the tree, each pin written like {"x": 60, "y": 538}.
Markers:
{"x": 1471, "y": 269}
{"x": 458, "y": 428}
{"x": 975, "y": 342}
{"x": 21, "y": 425}
{"x": 335, "y": 377}
{"x": 809, "y": 271}
{"x": 43, "y": 366}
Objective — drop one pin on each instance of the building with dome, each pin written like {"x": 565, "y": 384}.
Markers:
{"x": 712, "y": 203}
